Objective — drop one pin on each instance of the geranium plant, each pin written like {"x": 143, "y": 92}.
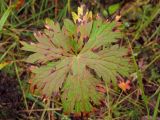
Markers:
{"x": 74, "y": 58}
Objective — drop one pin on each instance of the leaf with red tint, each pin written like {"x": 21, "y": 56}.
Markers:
{"x": 124, "y": 85}
{"x": 19, "y": 4}
{"x": 101, "y": 88}
{"x": 32, "y": 89}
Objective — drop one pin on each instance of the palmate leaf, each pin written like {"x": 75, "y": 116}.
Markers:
{"x": 75, "y": 58}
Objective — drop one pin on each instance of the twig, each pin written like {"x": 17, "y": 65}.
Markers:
{"x": 39, "y": 110}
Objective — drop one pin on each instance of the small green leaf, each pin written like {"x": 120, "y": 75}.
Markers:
{"x": 69, "y": 26}
{"x": 113, "y": 8}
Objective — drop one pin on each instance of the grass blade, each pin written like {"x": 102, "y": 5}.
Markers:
{"x": 156, "y": 108}
{"x": 5, "y": 16}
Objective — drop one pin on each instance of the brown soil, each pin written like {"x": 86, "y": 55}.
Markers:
{"x": 10, "y": 97}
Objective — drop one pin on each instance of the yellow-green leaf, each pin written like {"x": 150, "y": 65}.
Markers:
{"x": 2, "y": 65}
